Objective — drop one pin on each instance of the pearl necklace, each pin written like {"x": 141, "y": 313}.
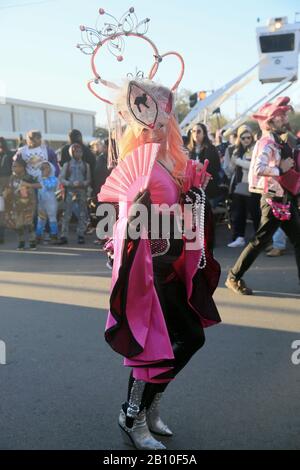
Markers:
{"x": 198, "y": 211}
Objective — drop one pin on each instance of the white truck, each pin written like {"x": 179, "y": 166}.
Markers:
{"x": 278, "y": 49}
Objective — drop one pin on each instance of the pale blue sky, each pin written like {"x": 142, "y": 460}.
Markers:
{"x": 39, "y": 60}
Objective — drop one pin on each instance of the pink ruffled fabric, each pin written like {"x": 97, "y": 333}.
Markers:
{"x": 143, "y": 311}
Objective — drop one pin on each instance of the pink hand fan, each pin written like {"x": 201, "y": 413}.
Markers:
{"x": 196, "y": 178}
{"x": 130, "y": 176}
{"x": 202, "y": 175}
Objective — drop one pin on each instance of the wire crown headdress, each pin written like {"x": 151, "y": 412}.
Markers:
{"x": 113, "y": 35}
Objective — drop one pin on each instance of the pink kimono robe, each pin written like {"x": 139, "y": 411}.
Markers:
{"x": 135, "y": 326}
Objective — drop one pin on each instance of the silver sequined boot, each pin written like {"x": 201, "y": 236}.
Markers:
{"x": 154, "y": 420}
{"x": 133, "y": 422}
{"x": 139, "y": 435}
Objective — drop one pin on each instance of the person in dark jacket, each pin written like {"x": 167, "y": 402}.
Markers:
{"x": 221, "y": 144}
{"x": 75, "y": 137}
{"x": 200, "y": 148}
{"x": 242, "y": 200}
{"x": 101, "y": 171}
{"x": 5, "y": 172}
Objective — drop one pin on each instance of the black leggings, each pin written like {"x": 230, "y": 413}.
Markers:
{"x": 241, "y": 205}
{"x": 268, "y": 226}
{"x": 184, "y": 328}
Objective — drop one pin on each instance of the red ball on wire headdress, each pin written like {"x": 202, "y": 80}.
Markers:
{"x": 142, "y": 101}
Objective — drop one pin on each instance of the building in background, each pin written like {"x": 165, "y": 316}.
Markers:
{"x": 19, "y": 116}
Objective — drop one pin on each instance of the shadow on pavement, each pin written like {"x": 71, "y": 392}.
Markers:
{"x": 62, "y": 387}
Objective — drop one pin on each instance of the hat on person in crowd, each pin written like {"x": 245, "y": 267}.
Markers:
{"x": 269, "y": 111}
{"x": 242, "y": 129}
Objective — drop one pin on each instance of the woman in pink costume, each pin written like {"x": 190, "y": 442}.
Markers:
{"x": 160, "y": 301}
{"x": 162, "y": 285}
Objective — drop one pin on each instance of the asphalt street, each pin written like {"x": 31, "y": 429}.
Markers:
{"x": 62, "y": 386}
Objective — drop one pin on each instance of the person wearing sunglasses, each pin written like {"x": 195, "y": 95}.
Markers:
{"x": 243, "y": 202}
{"x": 201, "y": 148}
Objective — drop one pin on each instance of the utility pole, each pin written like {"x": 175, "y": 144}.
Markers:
{"x": 236, "y": 105}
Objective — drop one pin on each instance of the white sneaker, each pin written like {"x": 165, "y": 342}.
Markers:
{"x": 240, "y": 241}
